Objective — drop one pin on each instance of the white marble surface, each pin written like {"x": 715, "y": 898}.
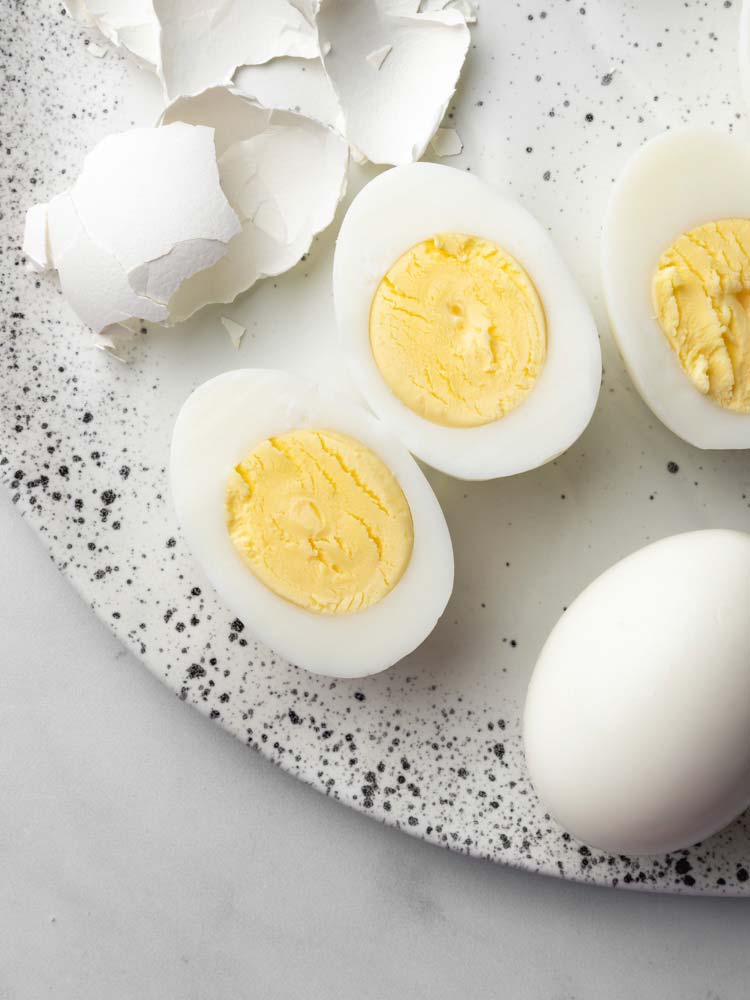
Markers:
{"x": 146, "y": 854}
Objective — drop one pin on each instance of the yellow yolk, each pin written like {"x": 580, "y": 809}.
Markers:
{"x": 458, "y": 331}
{"x": 320, "y": 520}
{"x": 701, "y": 293}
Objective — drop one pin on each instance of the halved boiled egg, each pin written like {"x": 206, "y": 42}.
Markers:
{"x": 313, "y": 523}
{"x": 463, "y": 328}
{"x": 676, "y": 270}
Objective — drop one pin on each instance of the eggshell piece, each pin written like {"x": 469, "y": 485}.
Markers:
{"x": 467, "y": 8}
{"x": 127, "y": 24}
{"x": 637, "y": 719}
{"x": 280, "y": 207}
{"x": 227, "y": 112}
{"x": 202, "y": 44}
{"x": 446, "y": 142}
{"x": 91, "y": 278}
{"x": 673, "y": 184}
{"x": 35, "y": 244}
{"x": 392, "y": 109}
{"x": 235, "y": 330}
{"x": 146, "y": 213}
{"x": 153, "y": 198}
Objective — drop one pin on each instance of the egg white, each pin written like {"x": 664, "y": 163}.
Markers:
{"x": 217, "y": 426}
{"x": 399, "y": 209}
{"x": 674, "y": 183}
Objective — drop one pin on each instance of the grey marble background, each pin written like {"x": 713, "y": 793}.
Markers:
{"x": 146, "y": 854}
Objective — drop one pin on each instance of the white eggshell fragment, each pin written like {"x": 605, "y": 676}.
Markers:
{"x": 446, "y": 142}
{"x": 674, "y": 183}
{"x": 217, "y": 426}
{"x": 203, "y": 43}
{"x": 35, "y": 244}
{"x": 289, "y": 84}
{"x": 146, "y": 213}
{"x": 281, "y": 207}
{"x": 91, "y": 278}
{"x": 399, "y": 209}
{"x": 467, "y": 8}
{"x": 394, "y": 72}
{"x": 637, "y": 718}
{"x": 235, "y": 330}
{"x": 153, "y": 198}
{"x": 127, "y": 24}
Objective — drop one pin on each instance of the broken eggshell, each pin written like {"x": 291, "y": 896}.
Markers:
{"x": 467, "y": 8}
{"x": 127, "y": 24}
{"x": 202, "y": 43}
{"x": 35, "y": 244}
{"x": 393, "y": 68}
{"x": 378, "y": 72}
{"x": 146, "y": 213}
{"x": 446, "y": 142}
{"x": 387, "y": 113}
{"x": 235, "y": 330}
{"x": 283, "y": 175}
{"x": 290, "y": 84}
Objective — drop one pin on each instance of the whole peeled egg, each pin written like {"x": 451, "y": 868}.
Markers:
{"x": 676, "y": 272}
{"x": 637, "y": 719}
{"x": 314, "y": 524}
{"x": 462, "y": 326}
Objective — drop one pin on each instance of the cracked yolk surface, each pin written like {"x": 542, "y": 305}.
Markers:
{"x": 320, "y": 520}
{"x": 458, "y": 331}
{"x": 701, "y": 294}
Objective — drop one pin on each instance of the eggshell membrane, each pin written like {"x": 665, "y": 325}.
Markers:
{"x": 399, "y": 209}
{"x": 218, "y": 425}
{"x": 637, "y": 719}
{"x": 676, "y": 182}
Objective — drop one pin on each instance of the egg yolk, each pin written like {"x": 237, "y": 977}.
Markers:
{"x": 458, "y": 331}
{"x": 701, "y": 293}
{"x": 320, "y": 520}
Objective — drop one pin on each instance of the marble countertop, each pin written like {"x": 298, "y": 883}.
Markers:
{"x": 144, "y": 853}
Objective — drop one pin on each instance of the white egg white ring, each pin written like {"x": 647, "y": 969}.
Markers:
{"x": 674, "y": 183}
{"x": 399, "y": 209}
{"x": 219, "y": 423}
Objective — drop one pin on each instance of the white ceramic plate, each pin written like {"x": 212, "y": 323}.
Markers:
{"x": 433, "y": 745}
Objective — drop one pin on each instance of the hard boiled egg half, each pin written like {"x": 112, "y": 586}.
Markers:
{"x": 313, "y": 523}
{"x": 463, "y": 328}
{"x": 676, "y": 270}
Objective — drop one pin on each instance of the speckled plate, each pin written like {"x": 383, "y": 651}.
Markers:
{"x": 551, "y": 104}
